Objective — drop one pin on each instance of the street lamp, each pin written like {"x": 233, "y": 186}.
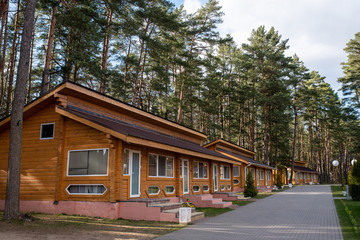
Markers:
{"x": 353, "y": 161}
{"x": 335, "y": 163}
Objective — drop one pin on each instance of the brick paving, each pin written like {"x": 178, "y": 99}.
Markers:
{"x": 304, "y": 213}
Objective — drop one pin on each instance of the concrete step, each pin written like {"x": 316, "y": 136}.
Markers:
{"x": 206, "y": 201}
{"x": 166, "y": 206}
{"x": 197, "y": 216}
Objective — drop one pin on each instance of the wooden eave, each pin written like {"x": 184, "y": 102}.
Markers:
{"x": 88, "y": 95}
{"x": 107, "y": 102}
{"x": 234, "y": 147}
{"x": 33, "y": 106}
{"x": 139, "y": 141}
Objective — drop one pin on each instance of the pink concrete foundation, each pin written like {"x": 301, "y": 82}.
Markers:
{"x": 125, "y": 210}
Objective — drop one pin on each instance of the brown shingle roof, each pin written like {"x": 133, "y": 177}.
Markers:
{"x": 250, "y": 160}
{"x": 304, "y": 169}
{"x": 129, "y": 129}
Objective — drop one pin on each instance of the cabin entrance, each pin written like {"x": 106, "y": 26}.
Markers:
{"x": 185, "y": 174}
{"x": 135, "y": 174}
{"x": 215, "y": 177}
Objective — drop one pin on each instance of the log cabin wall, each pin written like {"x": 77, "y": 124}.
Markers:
{"x": 39, "y": 158}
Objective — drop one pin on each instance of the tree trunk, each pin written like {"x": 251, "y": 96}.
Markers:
{"x": 31, "y": 61}
{"x": 14, "y": 165}
{"x": 294, "y": 140}
{"x": 12, "y": 61}
{"x": 2, "y": 60}
{"x": 45, "y": 75}
{"x": 105, "y": 50}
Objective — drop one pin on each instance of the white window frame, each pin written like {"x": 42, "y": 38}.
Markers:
{"x": 169, "y": 192}
{"x": 238, "y": 181}
{"x": 91, "y": 175}
{"x": 268, "y": 174}
{"x": 207, "y": 189}
{"x": 207, "y": 170}
{"x": 86, "y": 193}
{"x": 234, "y": 171}
{"x": 222, "y": 185}
{"x": 196, "y": 186}
{"x": 153, "y": 193}
{"x": 228, "y": 186}
{"x": 261, "y": 171}
{"x": 157, "y": 166}
{"x": 223, "y": 175}
{"x": 127, "y": 174}
{"x": 41, "y": 128}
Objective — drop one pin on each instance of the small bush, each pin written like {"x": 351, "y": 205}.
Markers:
{"x": 250, "y": 190}
{"x": 354, "y": 182}
{"x": 279, "y": 182}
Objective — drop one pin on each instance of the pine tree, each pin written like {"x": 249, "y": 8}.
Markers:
{"x": 250, "y": 190}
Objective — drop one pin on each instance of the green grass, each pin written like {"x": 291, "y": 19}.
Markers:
{"x": 61, "y": 224}
{"x": 212, "y": 212}
{"x": 241, "y": 203}
{"x": 337, "y": 191}
{"x": 349, "y": 217}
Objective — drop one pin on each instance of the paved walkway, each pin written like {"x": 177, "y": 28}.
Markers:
{"x": 304, "y": 213}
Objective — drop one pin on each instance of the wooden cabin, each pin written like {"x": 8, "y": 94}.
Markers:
{"x": 89, "y": 154}
{"x": 263, "y": 174}
{"x": 302, "y": 174}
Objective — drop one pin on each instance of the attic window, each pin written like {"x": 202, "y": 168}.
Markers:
{"x": 47, "y": 131}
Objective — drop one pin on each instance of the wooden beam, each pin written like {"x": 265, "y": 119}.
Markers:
{"x": 91, "y": 124}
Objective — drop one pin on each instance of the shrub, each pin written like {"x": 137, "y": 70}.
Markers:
{"x": 250, "y": 190}
{"x": 354, "y": 181}
{"x": 279, "y": 182}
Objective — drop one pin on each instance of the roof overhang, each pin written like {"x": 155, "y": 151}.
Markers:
{"x": 140, "y": 141}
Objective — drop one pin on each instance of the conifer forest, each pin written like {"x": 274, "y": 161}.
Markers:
{"x": 157, "y": 57}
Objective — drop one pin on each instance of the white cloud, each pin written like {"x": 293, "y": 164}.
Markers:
{"x": 192, "y": 6}
{"x": 317, "y": 30}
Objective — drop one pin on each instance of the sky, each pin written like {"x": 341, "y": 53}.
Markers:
{"x": 318, "y": 30}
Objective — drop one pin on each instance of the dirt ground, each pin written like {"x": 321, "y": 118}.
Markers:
{"x": 66, "y": 227}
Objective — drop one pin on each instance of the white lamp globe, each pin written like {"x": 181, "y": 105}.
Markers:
{"x": 335, "y": 163}
{"x": 353, "y": 161}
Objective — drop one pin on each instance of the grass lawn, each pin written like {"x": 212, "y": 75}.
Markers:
{"x": 337, "y": 191}
{"x": 348, "y": 213}
{"x": 212, "y": 212}
{"x": 80, "y": 227}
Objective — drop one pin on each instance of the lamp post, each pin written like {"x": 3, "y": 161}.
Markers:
{"x": 335, "y": 163}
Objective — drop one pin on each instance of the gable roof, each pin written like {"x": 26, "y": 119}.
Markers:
{"x": 243, "y": 158}
{"x": 304, "y": 169}
{"x": 132, "y": 133}
{"x": 230, "y": 145}
{"x": 70, "y": 88}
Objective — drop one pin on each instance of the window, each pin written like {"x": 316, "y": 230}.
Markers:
{"x": 206, "y": 188}
{"x": 268, "y": 175}
{"x": 153, "y": 190}
{"x": 200, "y": 170}
{"x": 169, "y": 189}
{"x": 228, "y": 187}
{"x": 222, "y": 187}
{"x": 47, "y": 131}
{"x": 88, "y": 162}
{"x": 253, "y": 173}
{"x": 315, "y": 176}
{"x": 86, "y": 189}
{"x": 224, "y": 172}
{"x": 236, "y": 171}
{"x": 196, "y": 188}
{"x": 126, "y": 162}
{"x": 236, "y": 182}
{"x": 300, "y": 175}
{"x": 308, "y": 176}
{"x": 261, "y": 174}
{"x": 161, "y": 166}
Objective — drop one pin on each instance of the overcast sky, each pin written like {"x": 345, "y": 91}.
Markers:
{"x": 318, "y": 30}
